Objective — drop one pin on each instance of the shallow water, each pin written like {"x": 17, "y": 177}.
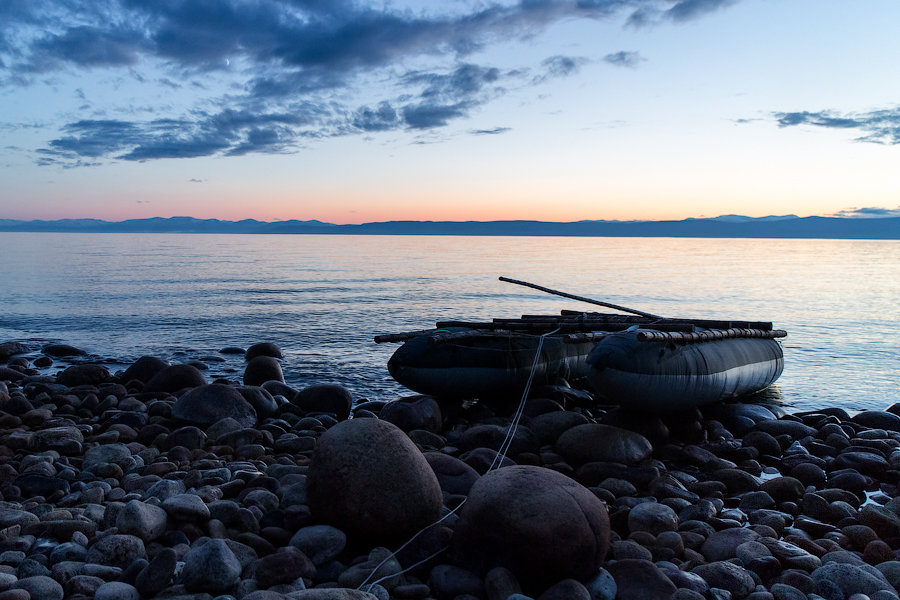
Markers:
{"x": 323, "y": 298}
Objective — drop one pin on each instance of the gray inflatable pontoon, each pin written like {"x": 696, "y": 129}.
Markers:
{"x": 468, "y": 363}
{"x": 645, "y": 370}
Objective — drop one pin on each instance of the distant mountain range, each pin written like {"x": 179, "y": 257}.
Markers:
{"x": 726, "y": 226}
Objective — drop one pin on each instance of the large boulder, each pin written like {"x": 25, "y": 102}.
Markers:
{"x": 262, "y": 369}
{"x": 325, "y": 398}
{"x": 206, "y": 404}
{"x": 368, "y": 479}
{"x": 536, "y": 522}
{"x": 174, "y": 378}
{"x": 602, "y": 443}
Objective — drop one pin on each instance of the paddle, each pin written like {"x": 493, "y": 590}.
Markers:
{"x": 582, "y": 298}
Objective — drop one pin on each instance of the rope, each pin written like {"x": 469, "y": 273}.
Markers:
{"x": 514, "y": 424}
{"x": 495, "y": 464}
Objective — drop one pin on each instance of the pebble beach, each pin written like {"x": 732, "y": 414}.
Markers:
{"x": 156, "y": 481}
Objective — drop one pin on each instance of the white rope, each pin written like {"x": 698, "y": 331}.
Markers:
{"x": 514, "y": 424}
{"x": 405, "y": 544}
{"x": 498, "y": 460}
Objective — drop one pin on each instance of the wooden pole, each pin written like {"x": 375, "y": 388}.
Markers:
{"x": 582, "y": 298}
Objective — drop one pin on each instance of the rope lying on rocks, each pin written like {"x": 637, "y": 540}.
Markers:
{"x": 495, "y": 464}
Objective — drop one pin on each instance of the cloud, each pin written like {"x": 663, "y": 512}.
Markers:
{"x": 878, "y": 126}
{"x": 870, "y": 212}
{"x": 494, "y": 131}
{"x": 295, "y": 69}
{"x": 561, "y": 66}
{"x": 624, "y": 59}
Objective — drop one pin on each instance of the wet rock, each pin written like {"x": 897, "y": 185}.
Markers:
{"x": 449, "y": 581}
{"x": 550, "y": 425}
{"x": 61, "y": 350}
{"x": 368, "y": 479}
{"x": 513, "y": 514}
{"x": 65, "y": 440}
{"x": 414, "y": 412}
{"x": 640, "y": 579}
{"x": 260, "y": 399}
{"x": 500, "y": 583}
{"x": 594, "y": 442}
{"x": 143, "y": 369}
{"x": 173, "y": 378}
{"x": 723, "y": 544}
{"x": 209, "y": 403}
{"x": 325, "y": 398}
{"x": 783, "y": 489}
{"x": 263, "y": 349}
{"x": 186, "y": 507}
{"x": 489, "y": 436}
{"x": 320, "y": 543}
{"x": 9, "y": 349}
{"x": 155, "y": 577}
{"x": 116, "y": 590}
{"x": 85, "y": 375}
{"x": 40, "y": 587}
{"x": 454, "y": 476}
{"x": 143, "y": 520}
{"x": 284, "y": 566}
{"x": 652, "y": 517}
{"x": 567, "y": 589}
{"x": 117, "y": 550}
{"x": 210, "y": 567}
{"x": 877, "y": 419}
{"x": 727, "y": 576}
{"x": 261, "y": 369}
{"x": 839, "y": 580}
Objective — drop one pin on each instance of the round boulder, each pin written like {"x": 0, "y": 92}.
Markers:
{"x": 262, "y": 369}
{"x": 414, "y": 412}
{"x": 262, "y": 349}
{"x": 174, "y": 378}
{"x": 536, "y": 522}
{"x": 368, "y": 479}
{"x": 143, "y": 369}
{"x": 602, "y": 443}
{"x": 85, "y": 375}
{"x": 209, "y": 403}
{"x": 325, "y": 398}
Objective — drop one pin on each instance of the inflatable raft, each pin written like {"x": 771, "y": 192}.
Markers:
{"x": 662, "y": 372}
{"x": 641, "y": 363}
{"x": 462, "y": 362}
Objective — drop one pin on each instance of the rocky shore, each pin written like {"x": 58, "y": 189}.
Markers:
{"x": 154, "y": 482}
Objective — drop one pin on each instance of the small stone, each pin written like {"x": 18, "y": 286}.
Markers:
{"x": 155, "y": 577}
{"x": 728, "y": 576}
{"x": 640, "y": 579}
{"x": 594, "y": 442}
{"x": 652, "y": 517}
{"x": 146, "y": 521}
{"x": 320, "y": 543}
{"x": 116, "y": 590}
{"x": 187, "y": 507}
{"x": 117, "y": 550}
{"x": 210, "y": 567}
{"x": 41, "y": 587}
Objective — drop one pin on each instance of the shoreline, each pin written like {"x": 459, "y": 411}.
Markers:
{"x": 163, "y": 484}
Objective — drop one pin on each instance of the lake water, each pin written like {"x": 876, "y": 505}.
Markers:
{"x": 323, "y": 298}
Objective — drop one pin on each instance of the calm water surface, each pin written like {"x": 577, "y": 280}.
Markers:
{"x": 323, "y": 298}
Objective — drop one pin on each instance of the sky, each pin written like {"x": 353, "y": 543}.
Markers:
{"x": 350, "y": 112}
